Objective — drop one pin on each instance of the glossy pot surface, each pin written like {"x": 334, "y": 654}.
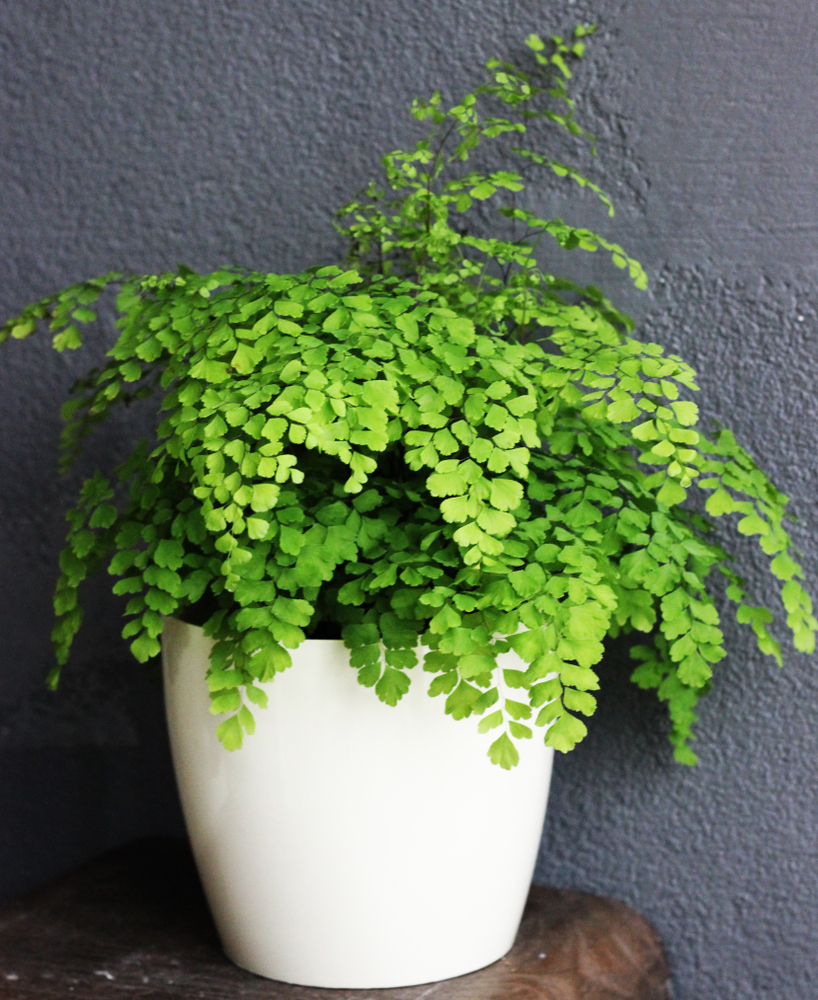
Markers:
{"x": 350, "y": 844}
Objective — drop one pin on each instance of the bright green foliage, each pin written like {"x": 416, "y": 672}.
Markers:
{"x": 442, "y": 445}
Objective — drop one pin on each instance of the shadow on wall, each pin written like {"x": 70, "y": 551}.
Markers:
{"x": 82, "y": 769}
{"x": 610, "y": 778}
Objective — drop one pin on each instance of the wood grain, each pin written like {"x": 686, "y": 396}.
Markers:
{"x": 134, "y": 923}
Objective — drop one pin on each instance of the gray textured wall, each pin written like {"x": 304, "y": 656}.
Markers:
{"x": 135, "y": 134}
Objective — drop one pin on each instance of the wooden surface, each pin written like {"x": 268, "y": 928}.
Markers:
{"x": 134, "y": 924}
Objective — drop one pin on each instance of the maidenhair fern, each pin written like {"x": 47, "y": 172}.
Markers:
{"x": 443, "y": 445}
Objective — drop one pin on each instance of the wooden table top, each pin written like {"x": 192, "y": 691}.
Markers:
{"x": 134, "y": 923}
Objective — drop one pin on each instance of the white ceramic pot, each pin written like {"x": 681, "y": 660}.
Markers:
{"x": 350, "y": 844}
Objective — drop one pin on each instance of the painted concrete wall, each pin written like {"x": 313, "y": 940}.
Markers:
{"x": 134, "y": 135}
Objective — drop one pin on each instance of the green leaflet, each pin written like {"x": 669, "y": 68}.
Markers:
{"x": 505, "y": 494}
{"x": 392, "y": 686}
{"x": 230, "y": 733}
{"x": 565, "y": 733}
{"x": 503, "y": 752}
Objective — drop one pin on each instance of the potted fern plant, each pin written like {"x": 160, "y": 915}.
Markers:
{"x": 443, "y": 467}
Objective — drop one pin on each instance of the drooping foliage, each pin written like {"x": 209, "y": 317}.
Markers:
{"x": 443, "y": 444}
